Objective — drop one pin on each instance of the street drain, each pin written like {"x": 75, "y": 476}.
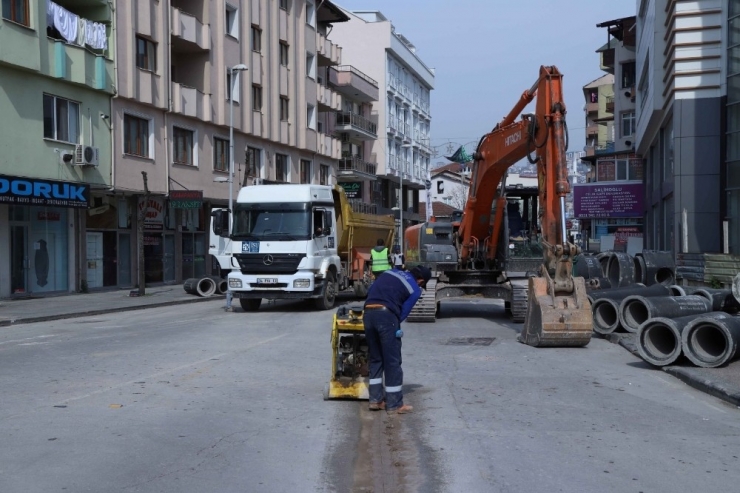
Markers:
{"x": 470, "y": 341}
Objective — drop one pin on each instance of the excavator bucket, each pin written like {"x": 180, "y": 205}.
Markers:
{"x": 554, "y": 320}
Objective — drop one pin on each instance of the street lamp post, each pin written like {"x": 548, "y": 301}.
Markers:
{"x": 236, "y": 68}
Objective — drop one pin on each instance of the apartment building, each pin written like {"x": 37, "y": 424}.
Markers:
{"x": 402, "y": 111}
{"x": 609, "y": 207}
{"x": 56, "y": 82}
{"x": 184, "y": 66}
{"x": 682, "y": 83}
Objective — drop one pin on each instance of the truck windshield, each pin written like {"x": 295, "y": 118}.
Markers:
{"x": 278, "y": 223}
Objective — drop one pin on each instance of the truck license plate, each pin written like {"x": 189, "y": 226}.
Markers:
{"x": 266, "y": 280}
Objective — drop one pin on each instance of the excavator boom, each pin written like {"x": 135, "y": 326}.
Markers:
{"x": 558, "y": 312}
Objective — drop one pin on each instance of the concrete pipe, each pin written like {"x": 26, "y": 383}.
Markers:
{"x": 204, "y": 286}
{"x": 598, "y": 283}
{"x": 606, "y": 316}
{"x": 722, "y": 299}
{"x": 660, "y": 267}
{"x": 587, "y": 266}
{"x": 677, "y": 290}
{"x": 710, "y": 342}
{"x": 639, "y": 268}
{"x": 636, "y": 310}
{"x": 736, "y": 287}
{"x": 222, "y": 284}
{"x": 620, "y": 293}
{"x": 659, "y": 339}
{"x": 621, "y": 270}
{"x": 603, "y": 259}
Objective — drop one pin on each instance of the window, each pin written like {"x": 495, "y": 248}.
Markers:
{"x": 323, "y": 175}
{"x": 232, "y": 21}
{"x": 136, "y": 136}
{"x": 284, "y": 108}
{"x": 256, "y": 39}
{"x": 146, "y": 54}
{"x": 284, "y": 4}
{"x": 311, "y": 116}
{"x": 220, "y": 154}
{"x": 256, "y": 97}
{"x": 232, "y": 87}
{"x": 182, "y": 143}
{"x": 305, "y": 171}
{"x": 61, "y": 119}
{"x": 281, "y": 167}
{"x": 16, "y": 11}
{"x": 628, "y": 75}
{"x": 284, "y": 54}
{"x": 311, "y": 14}
{"x": 628, "y": 124}
{"x": 310, "y": 65}
{"x": 254, "y": 161}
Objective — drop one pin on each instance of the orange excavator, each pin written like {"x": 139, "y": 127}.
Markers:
{"x": 552, "y": 303}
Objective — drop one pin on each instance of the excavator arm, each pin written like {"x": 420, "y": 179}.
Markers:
{"x": 558, "y": 312}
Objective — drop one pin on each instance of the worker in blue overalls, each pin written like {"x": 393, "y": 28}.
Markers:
{"x": 389, "y": 301}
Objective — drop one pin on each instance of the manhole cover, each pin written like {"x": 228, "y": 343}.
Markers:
{"x": 470, "y": 341}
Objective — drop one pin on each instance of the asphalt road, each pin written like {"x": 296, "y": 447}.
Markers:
{"x": 191, "y": 399}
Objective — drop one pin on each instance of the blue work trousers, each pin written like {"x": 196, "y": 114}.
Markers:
{"x": 384, "y": 358}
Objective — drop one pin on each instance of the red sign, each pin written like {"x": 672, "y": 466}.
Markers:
{"x": 49, "y": 216}
{"x": 624, "y": 232}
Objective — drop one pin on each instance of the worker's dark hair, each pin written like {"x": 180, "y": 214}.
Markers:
{"x": 380, "y": 242}
{"x": 421, "y": 272}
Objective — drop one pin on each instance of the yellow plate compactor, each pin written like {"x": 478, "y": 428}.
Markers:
{"x": 349, "y": 361}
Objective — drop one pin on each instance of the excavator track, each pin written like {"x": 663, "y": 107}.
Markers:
{"x": 425, "y": 309}
{"x": 519, "y": 292}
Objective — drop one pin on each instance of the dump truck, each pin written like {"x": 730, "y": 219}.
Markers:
{"x": 288, "y": 241}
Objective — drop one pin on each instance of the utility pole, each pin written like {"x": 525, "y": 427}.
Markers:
{"x": 140, "y": 236}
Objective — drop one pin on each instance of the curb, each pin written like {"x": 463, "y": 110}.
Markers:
{"x": 7, "y": 322}
{"x": 687, "y": 375}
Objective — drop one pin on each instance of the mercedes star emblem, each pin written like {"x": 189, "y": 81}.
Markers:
{"x": 267, "y": 260}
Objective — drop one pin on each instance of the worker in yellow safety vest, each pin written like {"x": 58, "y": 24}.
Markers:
{"x": 380, "y": 258}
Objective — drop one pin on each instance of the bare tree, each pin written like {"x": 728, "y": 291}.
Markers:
{"x": 458, "y": 195}
{"x": 140, "y": 236}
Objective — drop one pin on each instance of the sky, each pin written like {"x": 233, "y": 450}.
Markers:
{"x": 486, "y": 53}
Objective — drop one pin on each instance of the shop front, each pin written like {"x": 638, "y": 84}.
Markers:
{"x": 39, "y": 224}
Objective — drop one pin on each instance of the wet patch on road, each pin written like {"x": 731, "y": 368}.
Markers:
{"x": 469, "y": 341}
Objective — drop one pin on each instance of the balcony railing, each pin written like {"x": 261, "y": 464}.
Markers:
{"x": 424, "y": 107}
{"x": 357, "y": 121}
{"x": 610, "y": 104}
{"x": 605, "y": 148}
{"x": 392, "y": 124}
{"x": 191, "y": 102}
{"x": 354, "y": 83}
{"x": 392, "y": 163}
{"x": 363, "y": 207}
{"x": 186, "y": 27}
{"x": 357, "y": 164}
{"x": 592, "y": 130}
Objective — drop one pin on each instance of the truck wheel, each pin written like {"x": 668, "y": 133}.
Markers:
{"x": 326, "y": 302}
{"x": 250, "y": 305}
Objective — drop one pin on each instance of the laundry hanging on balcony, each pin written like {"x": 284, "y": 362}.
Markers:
{"x": 75, "y": 29}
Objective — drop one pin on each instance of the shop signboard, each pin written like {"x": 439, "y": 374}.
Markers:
{"x": 186, "y": 199}
{"x": 45, "y": 193}
{"x": 607, "y": 200}
{"x": 352, "y": 189}
{"x": 154, "y": 215}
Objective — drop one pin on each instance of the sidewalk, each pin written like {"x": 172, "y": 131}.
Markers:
{"x": 39, "y": 309}
{"x": 723, "y": 383}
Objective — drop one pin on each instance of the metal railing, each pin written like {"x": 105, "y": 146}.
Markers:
{"x": 358, "y": 121}
{"x": 363, "y": 207}
{"x": 350, "y": 68}
{"x": 356, "y": 163}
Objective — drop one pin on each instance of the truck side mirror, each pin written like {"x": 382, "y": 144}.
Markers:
{"x": 220, "y": 222}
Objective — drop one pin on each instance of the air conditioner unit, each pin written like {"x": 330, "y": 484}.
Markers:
{"x": 86, "y": 155}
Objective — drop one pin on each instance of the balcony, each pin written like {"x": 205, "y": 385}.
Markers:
{"x": 407, "y": 137}
{"x": 328, "y": 52}
{"x": 354, "y": 167}
{"x": 609, "y": 104}
{"x": 605, "y": 148}
{"x": 424, "y": 105}
{"x": 191, "y": 102}
{"x": 363, "y": 207}
{"x": 326, "y": 145}
{"x": 354, "y": 84}
{"x": 392, "y": 125}
{"x": 356, "y": 126}
{"x": 77, "y": 64}
{"x": 392, "y": 82}
{"x": 189, "y": 34}
{"x": 328, "y": 99}
{"x": 592, "y": 107}
{"x": 592, "y": 130}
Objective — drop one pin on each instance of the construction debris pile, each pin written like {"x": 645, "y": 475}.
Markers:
{"x": 639, "y": 294}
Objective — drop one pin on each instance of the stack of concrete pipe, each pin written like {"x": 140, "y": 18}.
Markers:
{"x": 638, "y": 294}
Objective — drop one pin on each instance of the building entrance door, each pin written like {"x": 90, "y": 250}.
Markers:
{"x": 19, "y": 261}
{"x": 94, "y": 260}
